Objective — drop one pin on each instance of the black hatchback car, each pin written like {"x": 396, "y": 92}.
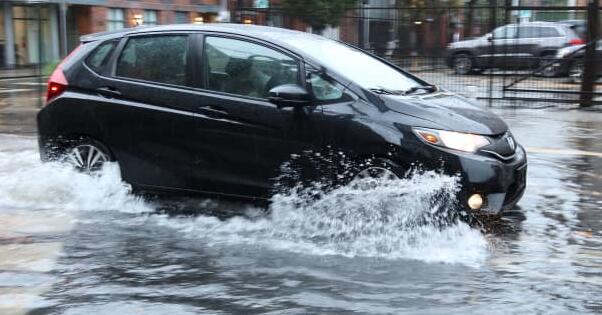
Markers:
{"x": 220, "y": 108}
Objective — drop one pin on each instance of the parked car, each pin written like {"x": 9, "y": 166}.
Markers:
{"x": 515, "y": 46}
{"x": 570, "y": 61}
{"x": 219, "y": 109}
{"x": 578, "y": 26}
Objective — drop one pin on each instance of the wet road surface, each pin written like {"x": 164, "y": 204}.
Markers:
{"x": 72, "y": 244}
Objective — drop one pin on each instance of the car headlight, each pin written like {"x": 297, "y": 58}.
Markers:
{"x": 466, "y": 142}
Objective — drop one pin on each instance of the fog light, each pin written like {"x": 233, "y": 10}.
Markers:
{"x": 475, "y": 202}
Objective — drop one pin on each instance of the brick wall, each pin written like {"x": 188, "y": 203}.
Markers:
{"x": 91, "y": 19}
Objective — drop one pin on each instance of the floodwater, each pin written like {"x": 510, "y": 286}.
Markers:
{"x": 351, "y": 251}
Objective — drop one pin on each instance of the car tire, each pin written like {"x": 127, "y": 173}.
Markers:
{"x": 549, "y": 71}
{"x": 576, "y": 70}
{"x": 463, "y": 64}
{"x": 86, "y": 155}
{"x": 377, "y": 168}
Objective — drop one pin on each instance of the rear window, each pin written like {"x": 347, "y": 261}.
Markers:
{"x": 101, "y": 55}
{"x": 161, "y": 58}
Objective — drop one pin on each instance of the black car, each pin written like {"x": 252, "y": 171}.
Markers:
{"x": 220, "y": 108}
{"x": 515, "y": 46}
{"x": 570, "y": 61}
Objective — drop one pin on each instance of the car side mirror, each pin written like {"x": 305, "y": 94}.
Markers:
{"x": 489, "y": 37}
{"x": 289, "y": 95}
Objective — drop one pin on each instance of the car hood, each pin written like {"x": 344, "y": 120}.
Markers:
{"x": 451, "y": 112}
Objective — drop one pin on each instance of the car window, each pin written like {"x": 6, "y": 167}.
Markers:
{"x": 504, "y": 32}
{"x": 323, "y": 89}
{"x": 155, "y": 58}
{"x": 352, "y": 64}
{"x": 101, "y": 55}
{"x": 549, "y": 32}
{"x": 244, "y": 68}
{"x": 536, "y": 32}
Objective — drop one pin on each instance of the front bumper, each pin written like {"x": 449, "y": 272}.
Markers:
{"x": 501, "y": 182}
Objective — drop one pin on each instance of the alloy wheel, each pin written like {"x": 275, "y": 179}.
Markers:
{"x": 548, "y": 70}
{"x": 377, "y": 173}
{"x": 576, "y": 71}
{"x": 87, "y": 158}
{"x": 462, "y": 64}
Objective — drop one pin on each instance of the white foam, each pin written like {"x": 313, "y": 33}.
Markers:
{"x": 400, "y": 219}
{"x": 389, "y": 220}
{"x": 26, "y": 183}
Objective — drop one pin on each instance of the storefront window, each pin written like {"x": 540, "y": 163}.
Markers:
{"x": 115, "y": 19}
{"x": 33, "y": 35}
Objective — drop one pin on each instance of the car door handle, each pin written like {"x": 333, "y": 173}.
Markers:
{"x": 213, "y": 110}
{"x": 108, "y": 91}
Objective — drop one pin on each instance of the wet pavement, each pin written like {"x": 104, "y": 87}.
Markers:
{"x": 73, "y": 244}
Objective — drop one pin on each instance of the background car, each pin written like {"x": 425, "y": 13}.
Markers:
{"x": 513, "y": 46}
{"x": 569, "y": 61}
{"x": 578, "y": 26}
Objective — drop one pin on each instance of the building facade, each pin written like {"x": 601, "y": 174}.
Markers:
{"x": 34, "y": 32}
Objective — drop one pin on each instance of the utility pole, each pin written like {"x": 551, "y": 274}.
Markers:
{"x": 589, "y": 64}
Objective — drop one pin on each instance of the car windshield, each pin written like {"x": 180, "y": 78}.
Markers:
{"x": 355, "y": 65}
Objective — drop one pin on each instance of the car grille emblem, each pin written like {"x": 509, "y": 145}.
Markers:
{"x": 511, "y": 143}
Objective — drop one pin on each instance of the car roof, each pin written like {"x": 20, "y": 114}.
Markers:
{"x": 274, "y": 35}
{"x": 536, "y": 23}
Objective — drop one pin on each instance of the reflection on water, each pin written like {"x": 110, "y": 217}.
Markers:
{"x": 350, "y": 251}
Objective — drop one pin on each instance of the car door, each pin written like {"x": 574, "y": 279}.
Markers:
{"x": 504, "y": 48}
{"x": 243, "y": 139}
{"x": 236, "y": 73}
{"x": 530, "y": 41}
{"x": 153, "y": 103}
{"x": 303, "y": 142}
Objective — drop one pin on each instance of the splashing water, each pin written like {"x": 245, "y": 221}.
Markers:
{"x": 26, "y": 183}
{"x": 392, "y": 219}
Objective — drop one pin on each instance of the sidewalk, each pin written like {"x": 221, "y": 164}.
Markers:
{"x": 20, "y": 100}
{"x": 19, "y": 73}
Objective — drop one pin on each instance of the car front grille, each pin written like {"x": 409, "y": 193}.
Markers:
{"x": 502, "y": 147}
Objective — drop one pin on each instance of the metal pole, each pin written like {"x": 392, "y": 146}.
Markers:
{"x": 9, "y": 43}
{"x": 63, "y": 28}
{"x": 589, "y": 65}
{"x": 40, "y": 57}
{"x": 360, "y": 27}
{"x": 492, "y": 25}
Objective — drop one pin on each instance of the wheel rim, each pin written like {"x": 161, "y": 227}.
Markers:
{"x": 87, "y": 158}
{"x": 576, "y": 70}
{"x": 376, "y": 173}
{"x": 463, "y": 65}
{"x": 548, "y": 70}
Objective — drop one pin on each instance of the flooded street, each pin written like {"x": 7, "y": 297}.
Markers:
{"x": 74, "y": 244}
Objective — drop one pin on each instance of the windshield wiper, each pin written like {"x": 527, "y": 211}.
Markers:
{"x": 380, "y": 90}
{"x": 427, "y": 88}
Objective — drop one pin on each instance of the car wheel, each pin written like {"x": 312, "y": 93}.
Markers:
{"x": 378, "y": 172}
{"x": 379, "y": 169}
{"x": 549, "y": 71}
{"x": 463, "y": 64}
{"x": 576, "y": 70}
{"x": 87, "y": 156}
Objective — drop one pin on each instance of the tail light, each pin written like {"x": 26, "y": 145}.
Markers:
{"x": 576, "y": 41}
{"x": 57, "y": 83}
